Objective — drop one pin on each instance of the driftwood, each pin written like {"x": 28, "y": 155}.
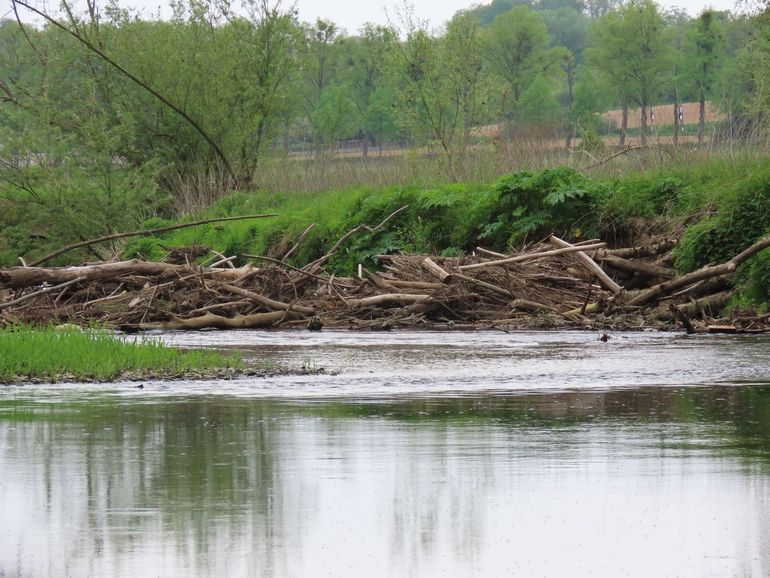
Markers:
{"x": 431, "y": 267}
{"x": 726, "y": 268}
{"x": 267, "y": 302}
{"x": 412, "y": 290}
{"x": 639, "y": 267}
{"x": 211, "y": 321}
{"x": 532, "y": 256}
{"x": 589, "y": 263}
{"x": 15, "y": 277}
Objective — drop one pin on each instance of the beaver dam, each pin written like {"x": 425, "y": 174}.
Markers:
{"x": 550, "y": 284}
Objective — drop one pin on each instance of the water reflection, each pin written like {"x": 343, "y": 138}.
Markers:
{"x": 646, "y": 482}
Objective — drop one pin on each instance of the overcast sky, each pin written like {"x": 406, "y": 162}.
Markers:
{"x": 350, "y": 15}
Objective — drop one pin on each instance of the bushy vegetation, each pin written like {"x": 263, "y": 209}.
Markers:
{"x": 111, "y": 122}
{"x": 54, "y": 354}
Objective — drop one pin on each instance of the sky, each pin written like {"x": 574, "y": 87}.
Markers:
{"x": 352, "y": 14}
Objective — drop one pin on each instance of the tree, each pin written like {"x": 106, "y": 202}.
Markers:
{"x": 568, "y": 29}
{"x": 441, "y": 92}
{"x": 516, "y": 50}
{"x": 630, "y": 50}
{"x": 367, "y": 56}
{"x": 538, "y": 103}
{"x": 705, "y": 44}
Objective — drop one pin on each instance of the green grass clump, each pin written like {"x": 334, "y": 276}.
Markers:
{"x": 97, "y": 355}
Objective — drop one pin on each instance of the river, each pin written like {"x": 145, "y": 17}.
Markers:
{"x": 414, "y": 454}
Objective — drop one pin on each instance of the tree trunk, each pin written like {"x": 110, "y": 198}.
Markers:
{"x": 676, "y": 121}
{"x": 643, "y": 128}
{"x": 623, "y": 125}
{"x": 701, "y": 118}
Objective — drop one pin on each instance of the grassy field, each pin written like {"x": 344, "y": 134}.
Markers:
{"x": 51, "y": 354}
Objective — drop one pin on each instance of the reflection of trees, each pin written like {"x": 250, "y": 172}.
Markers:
{"x": 125, "y": 475}
{"x": 217, "y": 486}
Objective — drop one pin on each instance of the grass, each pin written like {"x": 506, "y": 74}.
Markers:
{"x": 28, "y": 353}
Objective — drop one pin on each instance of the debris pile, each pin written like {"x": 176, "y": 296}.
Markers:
{"x": 552, "y": 284}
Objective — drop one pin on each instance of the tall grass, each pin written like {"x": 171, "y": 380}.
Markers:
{"x": 52, "y": 354}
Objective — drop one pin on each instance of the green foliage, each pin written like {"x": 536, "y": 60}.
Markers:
{"x": 741, "y": 219}
{"x": 538, "y": 103}
{"x": 531, "y": 205}
{"x": 95, "y": 354}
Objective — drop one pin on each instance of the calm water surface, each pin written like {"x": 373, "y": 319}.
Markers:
{"x": 429, "y": 454}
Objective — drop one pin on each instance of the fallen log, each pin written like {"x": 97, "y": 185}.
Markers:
{"x": 379, "y": 282}
{"x": 639, "y": 267}
{"x": 532, "y": 256}
{"x": 17, "y": 277}
{"x": 712, "y": 304}
{"x": 488, "y": 253}
{"x": 590, "y": 264}
{"x": 212, "y": 321}
{"x": 388, "y": 299}
{"x": 266, "y": 301}
{"x": 431, "y": 267}
{"x": 414, "y": 284}
{"x": 637, "y": 252}
{"x": 708, "y": 272}
{"x": 483, "y": 284}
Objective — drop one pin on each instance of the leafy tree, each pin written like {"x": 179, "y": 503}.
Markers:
{"x": 441, "y": 86}
{"x": 630, "y": 50}
{"x": 516, "y": 49}
{"x": 705, "y": 46}
{"x": 336, "y": 116}
{"x": 539, "y": 104}
{"x": 367, "y": 57}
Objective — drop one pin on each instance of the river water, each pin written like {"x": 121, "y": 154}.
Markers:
{"x": 415, "y": 454}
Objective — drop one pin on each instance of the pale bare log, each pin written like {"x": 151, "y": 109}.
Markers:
{"x": 532, "y": 256}
{"x": 388, "y": 299}
{"x": 266, "y": 301}
{"x": 415, "y": 284}
{"x": 212, "y": 321}
{"x": 648, "y": 251}
{"x": 483, "y": 284}
{"x": 16, "y": 277}
{"x": 639, "y": 267}
{"x": 589, "y": 263}
{"x": 431, "y": 267}
{"x": 488, "y": 253}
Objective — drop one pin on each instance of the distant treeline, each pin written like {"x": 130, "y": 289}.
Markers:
{"x": 108, "y": 119}
{"x": 221, "y": 86}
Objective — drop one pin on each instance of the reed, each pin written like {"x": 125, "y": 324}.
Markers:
{"x": 53, "y": 354}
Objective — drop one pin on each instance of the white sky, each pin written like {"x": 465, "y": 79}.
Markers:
{"x": 350, "y": 15}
